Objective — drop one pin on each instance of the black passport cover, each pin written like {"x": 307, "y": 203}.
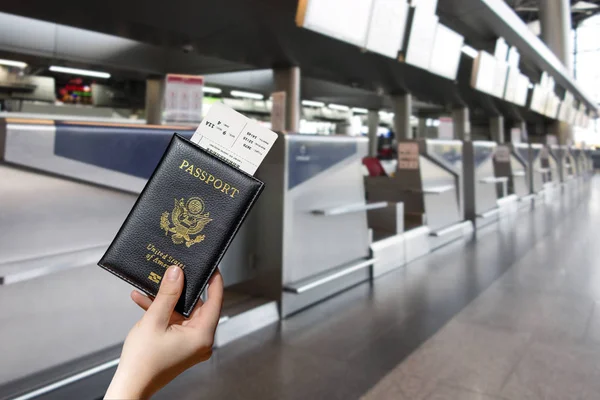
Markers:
{"x": 187, "y": 214}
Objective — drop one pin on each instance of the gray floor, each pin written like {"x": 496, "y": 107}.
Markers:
{"x": 534, "y": 334}
{"x": 511, "y": 315}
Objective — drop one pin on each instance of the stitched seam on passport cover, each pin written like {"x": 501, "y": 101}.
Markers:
{"x": 187, "y": 312}
{"x": 112, "y": 270}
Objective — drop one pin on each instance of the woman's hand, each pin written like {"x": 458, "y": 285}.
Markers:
{"x": 163, "y": 343}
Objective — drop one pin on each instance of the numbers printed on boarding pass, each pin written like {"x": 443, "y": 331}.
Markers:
{"x": 234, "y": 137}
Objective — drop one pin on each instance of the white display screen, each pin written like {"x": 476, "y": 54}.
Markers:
{"x": 512, "y": 85}
{"x": 345, "y": 20}
{"x": 538, "y": 99}
{"x": 387, "y": 27}
{"x": 522, "y": 90}
{"x": 501, "y": 70}
{"x": 428, "y": 6}
{"x": 420, "y": 42}
{"x": 446, "y": 52}
{"x": 501, "y": 50}
{"x": 484, "y": 72}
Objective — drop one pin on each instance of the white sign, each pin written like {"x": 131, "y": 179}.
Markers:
{"x": 446, "y": 128}
{"x": 387, "y": 26}
{"x": 345, "y": 20}
{"x": 278, "y": 112}
{"x": 515, "y": 135}
{"x": 183, "y": 98}
{"x": 237, "y": 139}
{"x": 408, "y": 155}
{"x": 502, "y": 153}
{"x": 501, "y": 50}
{"x": 446, "y": 52}
{"x": 484, "y": 72}
{"x": 420, "y": 41}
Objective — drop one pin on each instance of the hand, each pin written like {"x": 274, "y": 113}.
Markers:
{"x": 163, "y": 343}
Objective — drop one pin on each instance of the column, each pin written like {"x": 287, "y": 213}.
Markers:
{"x": 422, "y": 129}
{"x": 155, "y": 92}
{"x": 462, "y": 131}
{"x": 462, "y": 124}
{"x": 497, "y": 129}
{"x": 555, "y": 22}
{"x": 523, "y": 135}
{"x": 288, "y": 80}
{"x": 373, "y": 125}
{"x": 402, "y": 108}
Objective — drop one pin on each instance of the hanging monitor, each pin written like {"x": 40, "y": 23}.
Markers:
{"x": 484, "y": 72}
{"x": 387, "y": 27}
{"x": 420, "y": 40}
{"x": 345, "y": 20}
{"x": 446, "y": 52}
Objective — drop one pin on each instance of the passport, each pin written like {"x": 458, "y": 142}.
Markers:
{"x": 187, "y": 215}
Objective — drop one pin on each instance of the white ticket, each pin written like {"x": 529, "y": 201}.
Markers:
{"x": 234, "y": 137}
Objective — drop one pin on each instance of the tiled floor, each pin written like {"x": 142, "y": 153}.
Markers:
{"x": 534, "y": 334}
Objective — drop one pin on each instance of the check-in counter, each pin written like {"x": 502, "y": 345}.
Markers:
{"x": 589, "y": 165}
{"x": 581, "y": 162}
{"x": 551, "y": 165}
{"x": 570, "y": 163}
{"x": 531, "y": 153}
{"x": 429, "y": 182}
{"x": 561, "y": 155}
{"x": 313, "y": 239}
{"x": 488, "y": 187}
{"x": 66, "y": 187}
{"x": 552, "y": 180}
{"x": 509, "y": 163}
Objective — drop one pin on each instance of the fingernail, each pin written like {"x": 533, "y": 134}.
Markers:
{"x": 173, "y": 273}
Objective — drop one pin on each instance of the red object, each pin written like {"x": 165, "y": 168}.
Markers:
{"x": 374, "y": 166}
{"x": 386, "y": 152}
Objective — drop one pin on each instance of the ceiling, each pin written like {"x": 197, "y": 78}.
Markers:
{"x": 528, "y": 10}
{"x": 263, "y": 34}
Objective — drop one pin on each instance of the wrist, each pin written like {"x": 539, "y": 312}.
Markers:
{"x": 127, "y": 386}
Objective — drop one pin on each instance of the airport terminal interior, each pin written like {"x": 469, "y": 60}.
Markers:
{"x": 430, "y": 207}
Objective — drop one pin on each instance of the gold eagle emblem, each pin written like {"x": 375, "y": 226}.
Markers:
{"x": 186, "y": 222}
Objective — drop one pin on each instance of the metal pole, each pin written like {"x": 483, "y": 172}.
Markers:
{"x": 402, "y": 107}
{"x": 497, "y": 128}
{"x": 373, "y": 124}
{"x": 422, "y": 129}
{"x": 155, "y": 91}
{"x": 555, "y": 21}
{"x": 288, "y": 80}
{"x": 461, "y": 123}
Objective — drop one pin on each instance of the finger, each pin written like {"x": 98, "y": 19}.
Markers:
{"x": 144, "y": 301}
{"x": 161, "y": 309}
{"x": 141, "y": 300}
{"x": 210, "y": 312}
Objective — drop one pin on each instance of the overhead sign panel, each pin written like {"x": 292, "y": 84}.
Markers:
{"x": 446, "y": 52}
{"x": 420, "y": 41}
{"x": 484, "y": 72}
{"x": 512, "y": 84}
{"x": 387, "y": 27}
{"x": 345, "y": 20}
{"x": 522, "y": 90}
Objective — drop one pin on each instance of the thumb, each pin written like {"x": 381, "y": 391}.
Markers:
{"x": 159, "y": 312}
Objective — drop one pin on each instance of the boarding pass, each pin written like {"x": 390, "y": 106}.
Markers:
{"x": 233, "y": 137}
